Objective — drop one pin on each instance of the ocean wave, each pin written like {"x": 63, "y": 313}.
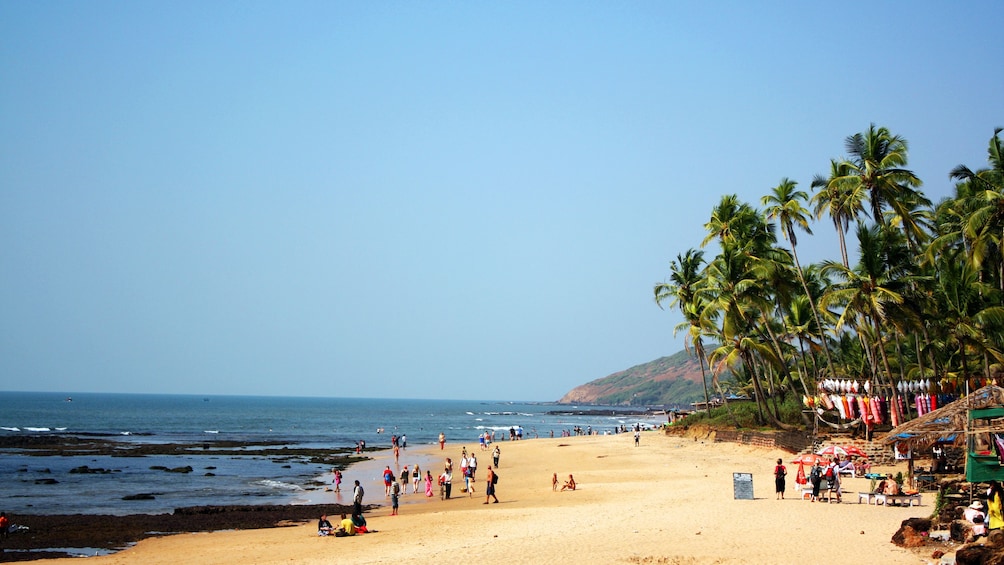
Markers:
{"x": 10, "y": 429}
{"x": 27, "y": 429}
{"x": 211, "y": 431}
{"x": 279, "y": 485}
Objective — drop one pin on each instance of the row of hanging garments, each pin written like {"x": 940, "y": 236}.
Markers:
{"x": 876, "y": 409}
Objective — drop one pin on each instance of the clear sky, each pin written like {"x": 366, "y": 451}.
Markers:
{"x": 423, "y": 199}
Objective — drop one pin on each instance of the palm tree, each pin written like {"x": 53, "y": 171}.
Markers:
{"x": 970, "y": 310}
{"x": 784, "y": 204}
{"x": 843, "y": 202}
{"x": 877, "y": 161}
{"x": 685, "y": 274}
{"x": 867, "y": 292}
{"x": 983, "y": 226}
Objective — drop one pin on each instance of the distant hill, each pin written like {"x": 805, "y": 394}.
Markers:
{"x": 673, "y": 380}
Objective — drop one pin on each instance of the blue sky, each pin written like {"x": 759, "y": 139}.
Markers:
{"x": 423, "y": 199}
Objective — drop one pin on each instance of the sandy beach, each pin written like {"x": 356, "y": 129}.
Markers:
{"x": 669, "y": 500}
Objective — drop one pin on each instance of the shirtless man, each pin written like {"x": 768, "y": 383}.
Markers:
{"x": 490, "y": 486}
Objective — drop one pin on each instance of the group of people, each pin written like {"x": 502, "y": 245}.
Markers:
{"x": 569, "y": 484}
{"x": 830, "y": 473}
{"x": 982, "y": 522}
{"x": 346, "y": 527}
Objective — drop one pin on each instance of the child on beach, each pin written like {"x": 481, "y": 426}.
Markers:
{"x": 554, "y": 482}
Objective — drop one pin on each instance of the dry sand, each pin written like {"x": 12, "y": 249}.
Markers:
{"x": 670, "y": 500}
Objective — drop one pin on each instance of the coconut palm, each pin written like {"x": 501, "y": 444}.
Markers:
{"x": 784, "y": 204}
{"x": 685, "y": 274}
{"x": 983, "y": 225}
{"x": 867, "y": 291}
{"x": 876, "y": 162}
{"x": 843, "y": 202}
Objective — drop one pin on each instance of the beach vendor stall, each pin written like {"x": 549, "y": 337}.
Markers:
{"x": 975, "y": 423}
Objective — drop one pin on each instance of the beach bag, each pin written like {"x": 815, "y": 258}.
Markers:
{"x": 495, "y": 479}
{"x": 829, "y": 474}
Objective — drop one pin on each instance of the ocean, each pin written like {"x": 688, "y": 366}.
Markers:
{"x": 44, "y": 484}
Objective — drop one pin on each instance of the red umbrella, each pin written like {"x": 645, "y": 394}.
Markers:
{"x": 808, "y": 459}
{"x": 856, "y": 451}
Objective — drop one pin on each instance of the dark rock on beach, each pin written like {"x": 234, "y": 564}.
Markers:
{"x": 84, "y": 469}
{"x": 117, "y": 532}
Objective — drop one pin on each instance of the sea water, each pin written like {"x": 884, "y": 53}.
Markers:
{"x": 246, "y": 479}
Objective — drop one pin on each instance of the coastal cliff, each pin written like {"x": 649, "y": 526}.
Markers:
{"x": 673, "y": 380}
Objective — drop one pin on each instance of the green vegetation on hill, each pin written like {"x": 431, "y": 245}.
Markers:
{"x": 673, "y": 381}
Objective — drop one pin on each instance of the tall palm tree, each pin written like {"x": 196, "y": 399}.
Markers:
{"x": 877, "y": 163}
{"x": 784, "y": 204}
{"x": 685, "y": 274}
{"x": 843, "y": 202}
{"x": 867, "y": 291}
{"x": 983, "y": 226}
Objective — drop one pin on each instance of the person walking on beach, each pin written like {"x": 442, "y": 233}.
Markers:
{"x": 428, "y": 484}
{"x": 779, "y": 474}
{"x": 442, "y": 440}
{"x": 637, "y": 438}
{"x": 472, "y": 466}
{"x": 495, "y": 456}
{"x": 446, "y": 479}
{"x": 395, "y": 492}
{"x": 416, "y": 477}
{"x": 357, "y": 499}
{"x": 492, "y": 480}
{"x": 338, "y": 480}
{"x": 404, "y": 441}
{"x": 388, "y": 478}
{"x": 554, "y": 482}
{"x": 404, "y": 480}
{"x": 816, "y": 478}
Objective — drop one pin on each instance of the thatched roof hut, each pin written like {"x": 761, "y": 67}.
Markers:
{"x": 946, "y": 424}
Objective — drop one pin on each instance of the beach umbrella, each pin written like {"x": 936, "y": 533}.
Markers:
{"x": 800, "y": 477}
{"x": 855, "y": 450}
{"x": 808, "y": 459}
{"x": 832, "y": 450}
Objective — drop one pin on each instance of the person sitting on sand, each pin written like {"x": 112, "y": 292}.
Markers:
{"x": 359, "y": 523}
{"x": 348, "y": 526}
{"x": 569, "y": 484}
{"x": 324, "y": 526}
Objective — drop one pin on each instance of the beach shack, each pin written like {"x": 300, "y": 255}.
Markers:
{"x": 985, "y": 445}
{"x": 975, "y": 423}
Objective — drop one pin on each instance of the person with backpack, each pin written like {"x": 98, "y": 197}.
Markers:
{"x": 815, "y": 478}
{"x": 492, "y": 480}
{"x": 833, "y": 477}
{"x": 779, "y": 474}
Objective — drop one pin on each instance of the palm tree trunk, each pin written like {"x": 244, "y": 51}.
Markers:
{"x": 699, "y": 350}
{"x": 812, "y": 305}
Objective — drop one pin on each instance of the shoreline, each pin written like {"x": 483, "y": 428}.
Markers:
{"x": 669, "y": 500}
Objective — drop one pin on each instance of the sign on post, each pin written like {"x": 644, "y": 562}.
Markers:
{"x": 742, "y": 485}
